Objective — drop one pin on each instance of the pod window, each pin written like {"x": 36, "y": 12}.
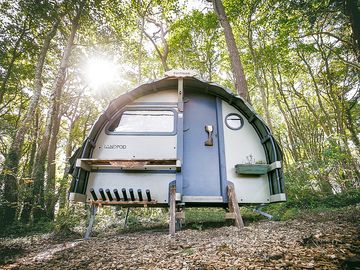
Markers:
{"x": 234, "y": 121}
{"x": 143, "y": 122}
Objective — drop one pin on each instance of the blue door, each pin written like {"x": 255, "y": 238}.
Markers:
{"x": 201, "y": 162}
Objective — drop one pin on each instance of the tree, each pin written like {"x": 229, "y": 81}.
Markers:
{"x": 40, "y": 159}
{"x": 236, "y": 65}
{"x": 11, "y": 164}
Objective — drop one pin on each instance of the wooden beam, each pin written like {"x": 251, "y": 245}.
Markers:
{"x": 125, "y": 164}
{"x": 172, "y": 220}
{"x": 234, "y": 206}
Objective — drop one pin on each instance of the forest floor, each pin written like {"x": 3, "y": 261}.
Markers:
{"x": 324, "y": 240}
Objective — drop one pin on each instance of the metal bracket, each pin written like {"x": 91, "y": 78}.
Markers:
{"x": 93, "y": 211}
{"x": 209, "y": 129}
{"x": 267, "y": 215}
{"x": 180, "y": 94}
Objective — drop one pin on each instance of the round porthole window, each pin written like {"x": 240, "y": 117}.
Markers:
{"x": 234, "y": 121}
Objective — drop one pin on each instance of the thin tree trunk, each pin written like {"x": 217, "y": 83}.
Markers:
{"x": 12, "y": 160}
{"x": 162, "y": 55}
{"x": 259, "y": 81}
{"x": 51, "y": 169}
{"x": 353, "y": 132}
{"x": 352, "y": 10}
{"x": 14, "y": 55}
{"x": 140, "y": 48}
{"x": 68, "y": 151}
{"x": 26, "y": 210}
{"x": 40, "y": 160}
{"x": 236, "y": 65}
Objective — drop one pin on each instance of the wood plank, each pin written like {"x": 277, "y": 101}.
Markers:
{"x": 91, "y": 161}
{"x": 172, "y": 220}
{"x": 234, "y": 206}
{"x": 126, "y": 164}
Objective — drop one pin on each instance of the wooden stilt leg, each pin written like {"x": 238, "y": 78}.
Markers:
{"x": 234, "y": 206}
{"x": 172, "y": 220}
{"x": 93, "y": 211}
{"x": 180, "y": 217}
{"x": 126, "y": 218}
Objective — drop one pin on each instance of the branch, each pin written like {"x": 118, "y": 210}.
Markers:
{"x": 325, "y": 33}
{"x": 153, "y": 42}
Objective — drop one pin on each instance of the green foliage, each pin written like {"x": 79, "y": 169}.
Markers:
{"x": 312, "y": 202}
{"x": 69, "y": 219}
{"x": 19, "y": 229}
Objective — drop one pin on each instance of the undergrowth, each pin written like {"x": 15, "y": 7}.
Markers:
{"x": 72, "y": 221}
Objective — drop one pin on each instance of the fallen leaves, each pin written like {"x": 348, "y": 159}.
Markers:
{"x": 305, "y": 243}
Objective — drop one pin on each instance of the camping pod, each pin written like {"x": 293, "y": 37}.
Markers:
{"x": 180, "y": 132}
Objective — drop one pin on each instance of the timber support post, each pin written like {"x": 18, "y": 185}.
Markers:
{"x": 172, "y": 210}
{"x": 234, "y": 208}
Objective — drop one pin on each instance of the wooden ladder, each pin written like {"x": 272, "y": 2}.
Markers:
{"x": 234, "y": 209}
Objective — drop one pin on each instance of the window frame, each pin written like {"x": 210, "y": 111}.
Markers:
{"x": 148, "y": 133}
{"x": 240, "y": 118}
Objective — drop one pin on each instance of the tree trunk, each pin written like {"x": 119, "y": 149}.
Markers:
{"x": 353, "y": 131}
{"x": 26, "y": 210}
{"x": 68, "y": 152}
{"x": 40, "y": 160}
{"x": 12, "y": 160}
{"x": 162, "y": 55}
{"x": 260, "y": 83}
{"x": 236, "y": 65}
{"x": 352, "y": 10}
{"x": 51, "y": 169}
{"x": 140, "y": 48}
{"x": 14, "y": 55}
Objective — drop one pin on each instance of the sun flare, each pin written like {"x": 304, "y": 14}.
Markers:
{"x": 100, "y": 72}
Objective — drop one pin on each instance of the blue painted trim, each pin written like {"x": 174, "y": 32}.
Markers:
{"x": 222, "y": 158}
{"x": 119, "y": 114}
{"x": 180, "y": 150}
{"x": 172, "y": 183}
{"x": 133, "y": 171}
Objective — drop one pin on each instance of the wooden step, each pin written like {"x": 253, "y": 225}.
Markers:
{"x": 90, "y": 164}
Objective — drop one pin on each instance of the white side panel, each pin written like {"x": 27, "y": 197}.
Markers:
{"x": 162, "y": 96}
{"x": 157, "y": 183}
{"x": 240, "y": 144}
{"x": 139, "y": 146}
{"x": 135, "y": 147}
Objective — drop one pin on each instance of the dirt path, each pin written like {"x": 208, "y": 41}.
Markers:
{"x": 322, "y": 241}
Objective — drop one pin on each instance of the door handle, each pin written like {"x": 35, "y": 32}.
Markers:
{"x": 209, "y": 129}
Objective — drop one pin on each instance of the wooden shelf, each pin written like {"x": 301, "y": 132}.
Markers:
{"x": 89, "y": 164}
{"x": 256, "y": 169}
